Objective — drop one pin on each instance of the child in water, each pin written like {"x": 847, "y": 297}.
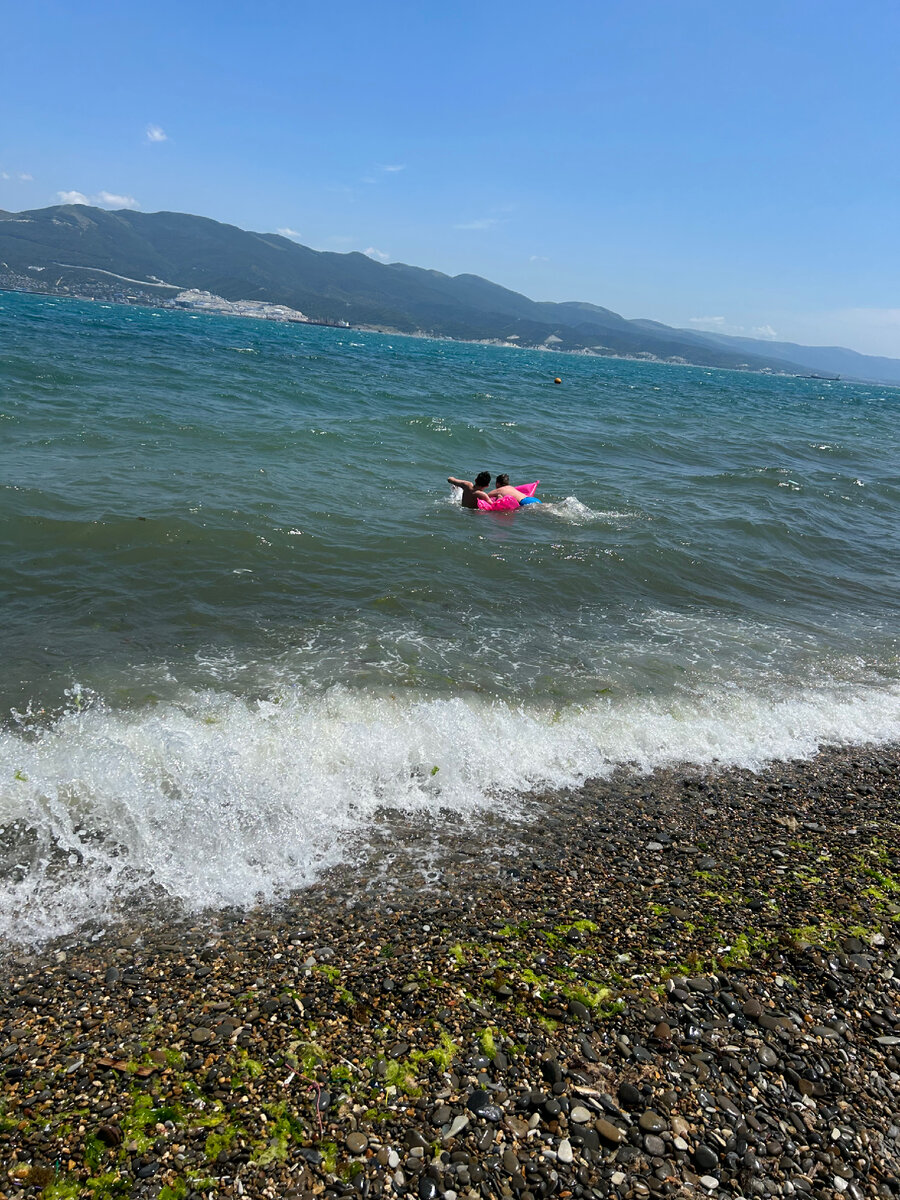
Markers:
{"x": 472, "y": 492}
{"x": 503, "y": 488}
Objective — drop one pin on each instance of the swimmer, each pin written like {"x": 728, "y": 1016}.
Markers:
{"x": 472, "y": 492}
{"x": 503, "y": 488}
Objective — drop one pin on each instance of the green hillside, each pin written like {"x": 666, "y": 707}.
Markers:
{"x": 70, "y": 245}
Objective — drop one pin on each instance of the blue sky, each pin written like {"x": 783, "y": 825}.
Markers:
{"x": 723, "y": 165}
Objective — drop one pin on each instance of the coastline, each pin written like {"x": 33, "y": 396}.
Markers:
{"x": 424, "y": 335}
{"x": 677, "y": 984}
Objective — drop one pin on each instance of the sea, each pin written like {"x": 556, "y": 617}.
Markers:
{"x": 243, "y": 613}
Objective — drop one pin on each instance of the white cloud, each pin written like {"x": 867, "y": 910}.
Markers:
{"x": 18, "y": 176}
{"x": 156, "y": 134}
{"x": 24, "y": 177}
{"x": 538, "y": 258}
{"x": 100, "y": 199}
{"x": 392, "y": 169}
{"x": 763, "y": 331}
{"x": 481, "y": 223}
{"x": 378, "y": 255}
{"x": 707, "y": 322}
{"x": 288, "y": 232}
{"x": 112, "y": 200}
{"x": 72, "y": 198}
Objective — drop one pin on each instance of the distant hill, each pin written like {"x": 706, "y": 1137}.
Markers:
{"x": 81, "y": 250}
{"x": 827, "y": 360}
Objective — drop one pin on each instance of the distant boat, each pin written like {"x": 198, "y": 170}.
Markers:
{"x": 829, "y": 378}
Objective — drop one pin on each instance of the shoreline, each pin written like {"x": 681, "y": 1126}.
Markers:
{"x": 684, "y": 983}
{"x": 424, "y": 335}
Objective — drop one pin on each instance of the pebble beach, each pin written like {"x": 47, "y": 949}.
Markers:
{"x": 677, "y": 984}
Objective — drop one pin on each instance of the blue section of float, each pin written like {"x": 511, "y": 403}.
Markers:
{"x": 528, "y": 500}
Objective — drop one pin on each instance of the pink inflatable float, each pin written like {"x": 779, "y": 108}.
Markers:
{"x": 508, "y": 503}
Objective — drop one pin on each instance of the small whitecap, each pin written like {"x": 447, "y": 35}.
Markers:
{"x": 572, "y": 510}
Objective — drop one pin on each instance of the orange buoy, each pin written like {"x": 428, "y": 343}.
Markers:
{"x": 557, "y": 380}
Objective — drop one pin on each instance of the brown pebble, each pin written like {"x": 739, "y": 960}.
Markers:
{"x": 609, "y": 1132}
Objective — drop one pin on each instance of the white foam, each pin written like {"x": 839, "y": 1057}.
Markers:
{"x": 219, "y": 801}
{"x": 574, "y": 512}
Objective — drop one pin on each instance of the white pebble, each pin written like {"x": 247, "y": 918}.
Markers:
{"x": 580, "y": 1115}
{"x": 680, "y": 1143}
{"x": 709, "y": 1181}
{"x": 564, "y": 1151}
{"x": 840, "y": 1184}
{"x": 393, "y": 1160}
{"x": 459, "y": 1123}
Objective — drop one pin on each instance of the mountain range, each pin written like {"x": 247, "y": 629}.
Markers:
{"x": 75, "y": 249}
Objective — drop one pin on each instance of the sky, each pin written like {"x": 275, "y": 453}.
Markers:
{"x": 729, "y": 166}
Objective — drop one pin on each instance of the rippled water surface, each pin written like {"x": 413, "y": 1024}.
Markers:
{"x": 242, "y": 609}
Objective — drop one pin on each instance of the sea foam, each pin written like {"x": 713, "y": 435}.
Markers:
{"x": 215, "y": 800}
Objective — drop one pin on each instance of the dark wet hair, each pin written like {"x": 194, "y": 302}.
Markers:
{"x": 502, "y": 480}
{"x": 482, "y": 479}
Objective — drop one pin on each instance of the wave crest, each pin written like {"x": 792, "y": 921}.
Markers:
{"x": 216, "y": 800}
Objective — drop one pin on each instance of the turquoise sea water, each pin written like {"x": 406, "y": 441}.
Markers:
{"x": 242, "y": 609}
